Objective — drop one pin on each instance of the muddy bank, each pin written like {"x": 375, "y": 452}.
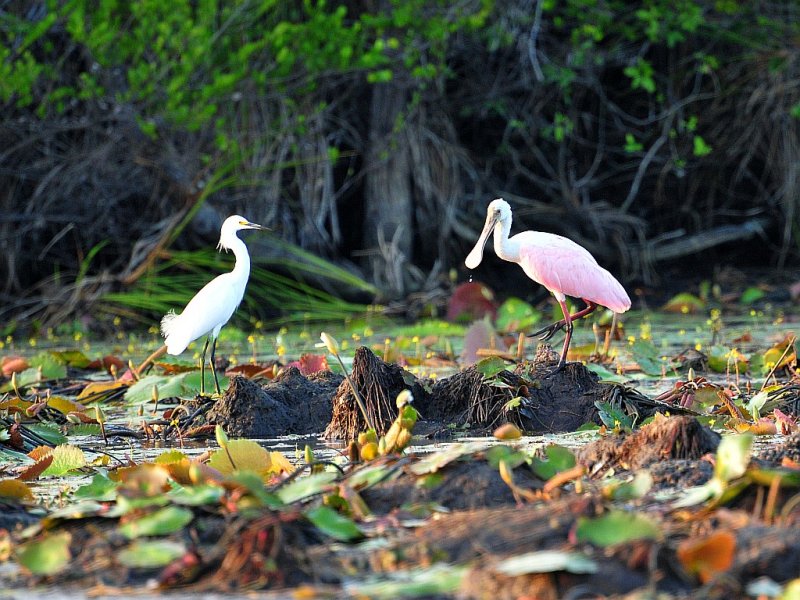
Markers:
{"x": 530, "y": 395}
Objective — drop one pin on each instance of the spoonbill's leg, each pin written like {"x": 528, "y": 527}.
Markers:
{"x": 550, "y": 330}
{"x": 568, "y": 331}
{"x": 214, "y": 366}
{"x": 203, "y": 369}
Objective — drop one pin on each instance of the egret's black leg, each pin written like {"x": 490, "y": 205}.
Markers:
{"x": 214, "y": 366}
{"x": 203, "y": 369}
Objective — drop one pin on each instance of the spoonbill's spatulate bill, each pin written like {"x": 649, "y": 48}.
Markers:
{"x": 559, "y": 264}
{"x": 213, "y": 305}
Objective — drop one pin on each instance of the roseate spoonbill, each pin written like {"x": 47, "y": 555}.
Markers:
{"x": 559, "y": 264}
{"x": 213, "y": 305}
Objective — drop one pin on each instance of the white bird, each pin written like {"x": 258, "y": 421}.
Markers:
{"x": 559, "y": 264}
{"x": 213, "y": 305}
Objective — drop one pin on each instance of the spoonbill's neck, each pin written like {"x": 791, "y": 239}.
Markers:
{"x": 505, "y": 247}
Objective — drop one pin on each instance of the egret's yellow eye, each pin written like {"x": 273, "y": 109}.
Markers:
{"x": 243, "y": 223}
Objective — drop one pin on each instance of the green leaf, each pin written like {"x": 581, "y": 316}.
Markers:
{"x": 48, "y": 555}
{"x": 501, "y": 452}
{"x": 491, "y": 366}
{"x": 254, "y": 484}
{"x": 65, "y": 458}
{"x": 305, "y": 487}
{"x": 605, "y": 375}
{"x": 440, "y": 459}
{"x": 751, "y": 295}
{"x": 72, "y": 358}
{"x": 196, "y": 495}
{"x": 52, "y": 367}
{"x": 516, "y": 315}
{"x": 436, "y": 581}
{"x": 629, "y": 490}
{"x": 100, "y": 488}
{"x": 614, "y": 418}
{"x": 647, "y": 357}
{"x": 546, "y": 561}
{"x": 141, "y": 392}
{"x": 370, "y": 475}
{"x": 733, "y": 456}
{"x": 701, "y": 148}
{"x": 161, "y": 522}
{"x": 616, "y": 527}
{"x": 558, "y": 458}
{"x": 333, "y": 524}
{"x": 48, "y": 432}
{"x": 151, "y": 554}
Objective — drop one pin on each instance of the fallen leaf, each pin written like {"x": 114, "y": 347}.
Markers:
{"x": 508, "y": 431}
{"x": 48, "y": 555}
{"x": 15, "y": 489}
{"x": 33, "y": 471}
{"x": 708, "y": 556}
{"x": 97, "y": 389}
{"x": 13, "y": 364}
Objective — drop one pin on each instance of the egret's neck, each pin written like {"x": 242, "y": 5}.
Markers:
{"x": 505, "y": 247}
{"x": 239, "y": 250}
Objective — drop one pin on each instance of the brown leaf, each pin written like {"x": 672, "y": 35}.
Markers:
{"x": 13, "y": 364}
{"x": 13, "y": 488}
{"x": 708, "y": 556}
{"x": 40, "y": 452}
{"x": 106, "y": 362}
{"x": 33, "y": 471}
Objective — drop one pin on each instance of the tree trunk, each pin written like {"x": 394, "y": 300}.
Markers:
{"x": 388, "y": 202}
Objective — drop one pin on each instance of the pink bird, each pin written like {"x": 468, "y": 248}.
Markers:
{"x": 559, "y": 264}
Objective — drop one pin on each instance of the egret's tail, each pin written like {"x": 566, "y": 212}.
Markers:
{"x": 175, "y": 339}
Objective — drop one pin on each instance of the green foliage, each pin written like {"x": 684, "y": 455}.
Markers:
{"x": 171, "y": 283}
{"x": 185, "y": 62}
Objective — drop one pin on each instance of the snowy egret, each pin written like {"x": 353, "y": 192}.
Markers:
{"x": 559, "y": 264}
{"x": 213, "y": 305}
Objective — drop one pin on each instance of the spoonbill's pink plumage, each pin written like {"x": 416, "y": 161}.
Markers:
{"x": 559, "y": 264}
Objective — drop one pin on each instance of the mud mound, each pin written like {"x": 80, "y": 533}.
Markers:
{"x": 550, "y": 401}
{"x": 561, "y": 401}
{"x": 665, "y": 438}
{"x": 466, "y": 399}
{"x": 378, "y": 384}
{"x": 290, "y": 404}
{"x": 465, "y": 486}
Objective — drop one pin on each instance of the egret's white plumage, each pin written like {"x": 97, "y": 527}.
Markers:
{"x": 214, "y": 305}
{"x": 559, "y": 264}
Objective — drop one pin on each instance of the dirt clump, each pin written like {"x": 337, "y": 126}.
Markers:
{"x": 290, "y": 404}
{"x": 665, "y": 438}
{"x": 465, "y": 485}
{"x": 378, "y": 383}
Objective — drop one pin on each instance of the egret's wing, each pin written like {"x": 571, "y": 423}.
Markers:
{"x": 211, "y": 307}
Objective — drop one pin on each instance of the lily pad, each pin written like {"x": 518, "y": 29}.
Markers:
{"x": 151, "y": 554}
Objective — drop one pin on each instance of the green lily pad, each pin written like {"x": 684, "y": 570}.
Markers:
{"x": 333, "y": 524}
{"x": 161, "y": 522}
{"x": 617, "y": 527}
{"x": 558, "y": 459}
{"x": 151, "y": 554}
{"x": 48, "y": 555}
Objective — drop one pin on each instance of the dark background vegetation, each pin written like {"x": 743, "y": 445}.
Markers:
{"x": 372, "y": 134}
